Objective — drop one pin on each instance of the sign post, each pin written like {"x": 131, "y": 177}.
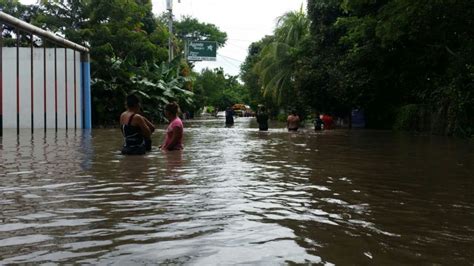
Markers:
{"x": 202, "y": 51}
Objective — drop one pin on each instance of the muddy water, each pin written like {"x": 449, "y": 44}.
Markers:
{"x": 236, "y": 195}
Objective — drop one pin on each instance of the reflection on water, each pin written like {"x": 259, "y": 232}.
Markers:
{"x": 237, "y": 195}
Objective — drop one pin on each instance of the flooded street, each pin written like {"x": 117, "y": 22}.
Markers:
{"x": 237, "y": 195}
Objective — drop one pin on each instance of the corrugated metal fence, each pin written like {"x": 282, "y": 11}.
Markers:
{"x": 42, "y": 86}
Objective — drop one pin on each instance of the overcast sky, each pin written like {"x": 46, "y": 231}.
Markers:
{"x": 244, "y": 21}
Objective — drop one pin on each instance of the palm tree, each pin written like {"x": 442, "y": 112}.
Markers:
{"x": 292, "y": 27}
{"x": 277, "y": 65}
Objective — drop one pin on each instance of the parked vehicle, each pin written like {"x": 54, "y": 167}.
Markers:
{"x": 242, "y": 110}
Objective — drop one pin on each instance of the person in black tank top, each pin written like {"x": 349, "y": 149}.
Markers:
{"x": 136, "y": 129}
{"x": 134, "y": 142}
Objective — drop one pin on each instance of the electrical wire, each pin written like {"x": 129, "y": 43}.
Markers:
{"x": 237, "y": 60}
{"x": 237, "y": 46}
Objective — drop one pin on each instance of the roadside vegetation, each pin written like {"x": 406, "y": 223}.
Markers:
{"x": 408, "y": 64}
{"x": 129, "y": 52}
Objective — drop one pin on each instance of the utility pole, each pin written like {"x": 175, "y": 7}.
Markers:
{"x": 169, "y": 7}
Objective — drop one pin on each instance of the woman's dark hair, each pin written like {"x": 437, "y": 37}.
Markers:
{"x": 133, "y": 101}
{"x": 172, "y": 108}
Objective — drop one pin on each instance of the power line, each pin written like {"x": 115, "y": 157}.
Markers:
{"x": 237, "y": 46}
{"x": 237, "y": 60}
{"x": 231, "y": 63}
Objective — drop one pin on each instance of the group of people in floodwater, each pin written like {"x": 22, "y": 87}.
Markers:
{"x": 137, "y": 129}
{"x": 292, "y": 122}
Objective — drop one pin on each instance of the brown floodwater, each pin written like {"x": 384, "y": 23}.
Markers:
{"x": 236, "y": 195}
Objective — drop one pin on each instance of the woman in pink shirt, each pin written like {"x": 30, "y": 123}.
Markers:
{"x": 175, "y": 131}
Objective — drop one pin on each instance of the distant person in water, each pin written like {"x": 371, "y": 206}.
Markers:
{"x": 328, "y": 122}
{"x": 136, "y": 129}
{"x": 293, "y": 121}
{"x": 175, "y": 131}
{"x": 262, "y": 119}
{"x": 229, "y": 116}
{"x": 318, "y": 122}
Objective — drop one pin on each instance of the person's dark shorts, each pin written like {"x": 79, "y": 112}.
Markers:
{"x": 293, "y": 129}
{"x": 148, "y": 144}
{"x": 135, "y": 150}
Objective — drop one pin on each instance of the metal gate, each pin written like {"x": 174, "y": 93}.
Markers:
{"x": 42, "y": 86}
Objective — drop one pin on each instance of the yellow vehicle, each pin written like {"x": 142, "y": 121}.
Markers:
{"x": 241, "y": 109}
{"x": 239, "y": 106}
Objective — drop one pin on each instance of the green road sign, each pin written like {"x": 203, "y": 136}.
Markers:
{"x": 202, "y": 51}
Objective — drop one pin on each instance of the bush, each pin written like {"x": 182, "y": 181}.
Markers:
{"x": 281, "y": 117}
{"x": 407, "y": 117}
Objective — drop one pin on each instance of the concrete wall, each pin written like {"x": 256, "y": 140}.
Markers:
{"x": 66, "y": 99}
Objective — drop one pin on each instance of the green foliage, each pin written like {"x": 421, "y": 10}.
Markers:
{"x": 281, "y": 117}
{"x": 408, "y": 118}
{"x": 191, "y": 29}
{"x": 23, "y": 12}
{"x": 156, "y": 84}
{"x": 214, "y": 88}
{"x": 18, "y": 10}
{"x": 128, "y": 52}
{"x": 292, "y": 28}
{"x": 275, "y": 71}
{"x": 407, "y": 64}
{"x": 68, "y": 17}
{"x": 404, "y": 62}
{"x": 250, "y": 76}
{"x": 279, "y": 60}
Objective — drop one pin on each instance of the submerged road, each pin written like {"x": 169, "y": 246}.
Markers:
{"x": 236, "y": 195}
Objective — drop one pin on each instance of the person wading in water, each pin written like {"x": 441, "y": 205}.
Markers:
{"x": 262, "y": 119}
{"x": 293, "y": 121}
{"x": 229, "y": 116}
{"x": 175, "y": 131}
{"x": 136, "y": 129}
{"x": 318, "y": 122}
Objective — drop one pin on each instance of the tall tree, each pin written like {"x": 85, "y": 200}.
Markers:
{"x": 18, "y": 10}
{"x": 189, "y": 28}
{"x": 408, "y": 64}
{"x": 323, "y": 77}
{"x": 250, "y": 76}
{"x": 128, "y": 46}
{"x": 215, "y": 88}
{"x": 279, "y": 59}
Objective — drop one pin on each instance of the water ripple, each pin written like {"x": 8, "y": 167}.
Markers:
{"x": 236, "y": 196}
